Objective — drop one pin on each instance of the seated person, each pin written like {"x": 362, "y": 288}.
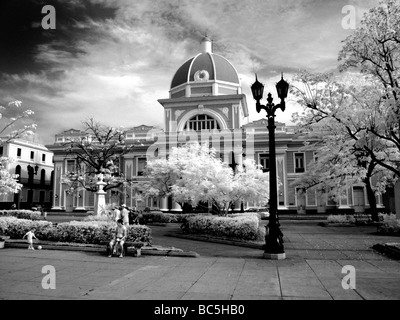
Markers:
{"x": 120, "y": 234}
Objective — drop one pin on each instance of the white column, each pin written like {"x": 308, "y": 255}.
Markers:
{"x": 239, "y": 162}
{"x": 176, "y": 207}
{"x": 164, "y": 204}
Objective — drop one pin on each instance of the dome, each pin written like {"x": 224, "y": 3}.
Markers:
{"x": 206, "y": 67}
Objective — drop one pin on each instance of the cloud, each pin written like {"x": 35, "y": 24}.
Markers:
{"x": 113, "y": 59}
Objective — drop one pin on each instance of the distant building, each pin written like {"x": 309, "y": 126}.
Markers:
{"x": 34, "y": 165}
{"x": 206, "y": 103}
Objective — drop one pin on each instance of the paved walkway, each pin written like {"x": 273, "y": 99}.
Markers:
{"x": 312, "y": 270}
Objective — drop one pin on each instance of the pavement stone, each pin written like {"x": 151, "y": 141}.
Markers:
{"x": 311, "y": 271}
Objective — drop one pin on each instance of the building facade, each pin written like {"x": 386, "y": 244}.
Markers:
{"x": 34, "y": 166}
{"x": 206, "y": 104}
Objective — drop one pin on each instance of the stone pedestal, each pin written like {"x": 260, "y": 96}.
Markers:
{"x": 100, "y": 201}
{"x": 274, "y": 256}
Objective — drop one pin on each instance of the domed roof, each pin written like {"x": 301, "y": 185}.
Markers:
{"x": 205, "y": 66}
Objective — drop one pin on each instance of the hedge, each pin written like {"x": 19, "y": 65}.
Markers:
{"x": 390, "y": 225}
{"x": 16, "y": 228}
{"x": 241, "y": 227}
{"x": 75, "y": 231}
{"x": 341, "y": 218}
{"x": 22, "y": 214}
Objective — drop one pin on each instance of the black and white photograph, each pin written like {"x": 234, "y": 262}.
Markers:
{"x": 200, "y": 156}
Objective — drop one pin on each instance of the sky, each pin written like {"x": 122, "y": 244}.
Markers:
{"x": 111, "y": 60}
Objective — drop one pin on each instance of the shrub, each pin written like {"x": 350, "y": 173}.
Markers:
{"x": 341, "y": 218}
{"x": 160, "y": 217}
{"x": 16, "y": 228}
{"x": 98, "y": 218}
{"x": 181, "y": 218}
{"x": 74, "y": 231}
{"x": 390, "y": 224}
{"x": 242, "y": 227}
{"x": 22, "y": 214}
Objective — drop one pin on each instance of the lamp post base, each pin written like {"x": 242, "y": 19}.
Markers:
{"x": 274, "y": 256}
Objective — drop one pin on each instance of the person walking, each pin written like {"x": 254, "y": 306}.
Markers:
{"x": 125, "y": 215}
{"x": 116, "y": 214}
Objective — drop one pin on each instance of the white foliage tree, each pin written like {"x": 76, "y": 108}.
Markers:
{"x": 194, "y": 174}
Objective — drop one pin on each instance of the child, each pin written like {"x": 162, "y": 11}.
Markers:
{"x": 29, "y": 236}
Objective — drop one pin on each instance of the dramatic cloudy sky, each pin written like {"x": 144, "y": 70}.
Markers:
{"x": 113, "y": 59}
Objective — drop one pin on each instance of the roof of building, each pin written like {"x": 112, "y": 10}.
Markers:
{"x": 217, "y": 68}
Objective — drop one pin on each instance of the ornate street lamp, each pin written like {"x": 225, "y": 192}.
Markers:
{"x": 273, "y": 239}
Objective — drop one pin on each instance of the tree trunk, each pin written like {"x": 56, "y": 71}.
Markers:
{"x": 371, "y": 200}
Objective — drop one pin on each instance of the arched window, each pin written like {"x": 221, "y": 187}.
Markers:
{"x": 43, "y": 177}
{"x": 18, "y": 172}
{"x": 30, "y": 175}
{"x": 201, "y": 122}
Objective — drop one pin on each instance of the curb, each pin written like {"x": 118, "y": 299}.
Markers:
{"x": 388, "y": 250}
{"x": 216, "y": 240}
{"x": 100, "y": 249}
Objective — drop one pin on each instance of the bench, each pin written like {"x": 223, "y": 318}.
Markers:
{"x": 130, "y": 248}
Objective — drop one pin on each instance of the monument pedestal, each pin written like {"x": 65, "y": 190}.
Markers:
{"x": 274, "y": 256}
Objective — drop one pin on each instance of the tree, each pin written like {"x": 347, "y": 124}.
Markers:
{"x": 374, "y": 49}
{"x": 98, "y": 151}
{"x": 8, "y": 181}
{"x": 194, "y": 174}
{"x": 337, "y": 116}
{"x": 9, "y": 120}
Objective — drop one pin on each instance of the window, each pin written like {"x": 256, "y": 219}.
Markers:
{"x": 19, "y": 151}
{"x": 1, "y": 151}
{"x": 43, "y": 177}
{"x": 18, "y": 172}
{"x": 32, "y": 155}
{"x": 141, "y": 166}
{"x": 264, "y": 161}
{"x": 43, "y": 157}
{"x": 201, "y": 122}
{"x": 70, "y": 165}
{"x": 299, "y": 162}
{"x": 31, "y": 172}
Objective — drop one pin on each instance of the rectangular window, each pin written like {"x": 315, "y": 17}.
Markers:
{"x": 264, "y": 162}
{"x": 70, "y": 165}
{"x": 43, "y": 157}
{"x": 1, "y": 151}
{"x": 141, "y": 166}
{"x": 299, "y": 162}
{"x": 32, "y": 155}
{"x": 19, "y": 151}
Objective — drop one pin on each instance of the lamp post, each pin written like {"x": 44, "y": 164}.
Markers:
{"x": 273, "y": 239}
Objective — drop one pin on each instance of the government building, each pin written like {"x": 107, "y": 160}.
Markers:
{"x": 206, "y": 103}
{"x": 33, "y": 163}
